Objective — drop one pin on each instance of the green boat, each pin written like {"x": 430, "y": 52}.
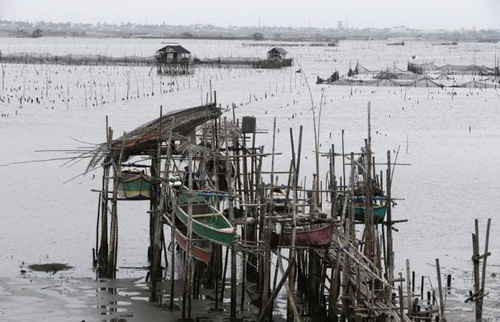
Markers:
{"x": 134, "y": 185}
{"x": 377, "y": 209}
{"x": 208, "y": 222}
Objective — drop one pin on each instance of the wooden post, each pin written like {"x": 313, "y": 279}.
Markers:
{"x": 224, "y": 273}
{"x": 290, "y": 295}
{"x": 401, "y": 298}
{"x": 475, "y": 261}
{"x": 296, "y": 168}
{"x": 333, "y": 184}
{"x": 187, "y": 274}
{"x": 422, "y": 288}
{"x": 348, "y": 230}
{"x": 173, "y": 206}
{"x": 276, "y": 291}
{"x": 172, "y": 254}
{"x": 157, "y": 208}
{"x": 96, "y": 249}
{"x": 266, "y": 235}
{"x": 217, "y": 260}
{"x": 440, "y": 289}
{"x": 266, "y": 271}
{"x": 486, "y": 254}
{"x": 343, "y": 159}
{"x": 155, "y": 248}
{"x": 103, "y": 249}
{"x": 112, "y": 255}
{"x": 114, "y": 222}
{"x": 313, "y": 283}
{"x": 389, "y": 252}
{"x": 409, "y": 295}
{"x": 231, "y": 219}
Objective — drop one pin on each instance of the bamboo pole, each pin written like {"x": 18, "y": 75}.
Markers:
{"x": 173, "y": 206}
{"x": 333, "y": 184}
{"x": 266, "y": 271}
{"x": 113, "y": 251}
{"x": 231, "y": 219}
{"x": 103, "y": 249}
{"x": 189, "y": 254}
{"x": 290, "y": 296}
{"x": 401, "y": 297}
{"x": 96, "y": 250}
{"x": 276, "y": 291}
{"x": 265, "y": 233}
{"x": 296, "y": 168}
{"x": 409, "y": 295}
{"x": 486, "y": 254}
{"x": 172, "y": 253}
{"x": 155, "y": 217}
{"x": 343, "y": 159}
{"x": 440, "y": 289}
{"x": 389, "y": 252}
{"x": 259, "y": 200}
{"x": 475, "y": 261}
{"x": 186, "y": 305}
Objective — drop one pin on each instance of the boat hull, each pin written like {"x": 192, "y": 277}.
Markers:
{"x": 312, "y": 235}
{"x": 378, "y": 213}
{"x": 208, "y": 223}
{"x": 134, "y": 186}
{"x": 201, "y": 249}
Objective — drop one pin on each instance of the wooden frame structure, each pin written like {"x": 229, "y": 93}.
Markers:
{"x": 197, "y": 157}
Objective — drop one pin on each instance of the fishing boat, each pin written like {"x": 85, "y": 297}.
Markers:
{"x": 379, "y": 208}
{"x": 134, "y": 185}
{"x": 208, "y": 222}
{"x": 201, "y": 249}
{"x": 316, "y": 234}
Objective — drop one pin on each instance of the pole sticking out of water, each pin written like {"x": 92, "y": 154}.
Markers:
{"x": 440, "y": 289}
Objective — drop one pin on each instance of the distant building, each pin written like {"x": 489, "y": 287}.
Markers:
{"x": 173, "y": 59}
{"x": 276, "y": 54}
{"x": 276, "y": 58}
{"x": 172, "y": 54}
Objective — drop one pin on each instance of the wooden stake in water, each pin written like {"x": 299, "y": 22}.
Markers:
{"x": 103, "y": 249}
{"x": 486, "y": 254}
{"x": 408, "y": 288}
{"x": 440, "y": 289}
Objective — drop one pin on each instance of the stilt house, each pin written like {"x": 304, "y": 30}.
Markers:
{"x": 173, "y": 59}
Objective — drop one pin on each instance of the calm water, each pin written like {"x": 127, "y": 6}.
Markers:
{"x": 449, "y": 139}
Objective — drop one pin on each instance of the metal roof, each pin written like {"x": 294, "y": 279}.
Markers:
{"x": 278, "y": 49}
{"x": 175, "y": 49}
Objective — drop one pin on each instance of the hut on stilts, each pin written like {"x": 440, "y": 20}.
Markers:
{"x": 328, "y": 246}
{"x": 173, "y": 60}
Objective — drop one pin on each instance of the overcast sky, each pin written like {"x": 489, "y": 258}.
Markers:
{"x": 421, "y": 14}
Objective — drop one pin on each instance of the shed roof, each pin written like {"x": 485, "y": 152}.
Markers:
{"x": 277, "y": 50}
{"x": 147, "y": 136}
{"x": 175, "y": 49}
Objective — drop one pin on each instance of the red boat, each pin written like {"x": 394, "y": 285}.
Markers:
{"x": 201, "y": 249}
{"x": 314, "y": 234}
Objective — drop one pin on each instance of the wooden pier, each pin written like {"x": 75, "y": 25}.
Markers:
{"x": 263, "y": 239}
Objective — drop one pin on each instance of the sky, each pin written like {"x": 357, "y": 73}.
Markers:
{"x": 418, "y": 14}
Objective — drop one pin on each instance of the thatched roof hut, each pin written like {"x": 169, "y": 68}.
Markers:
{"x": 145, "y": 138}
